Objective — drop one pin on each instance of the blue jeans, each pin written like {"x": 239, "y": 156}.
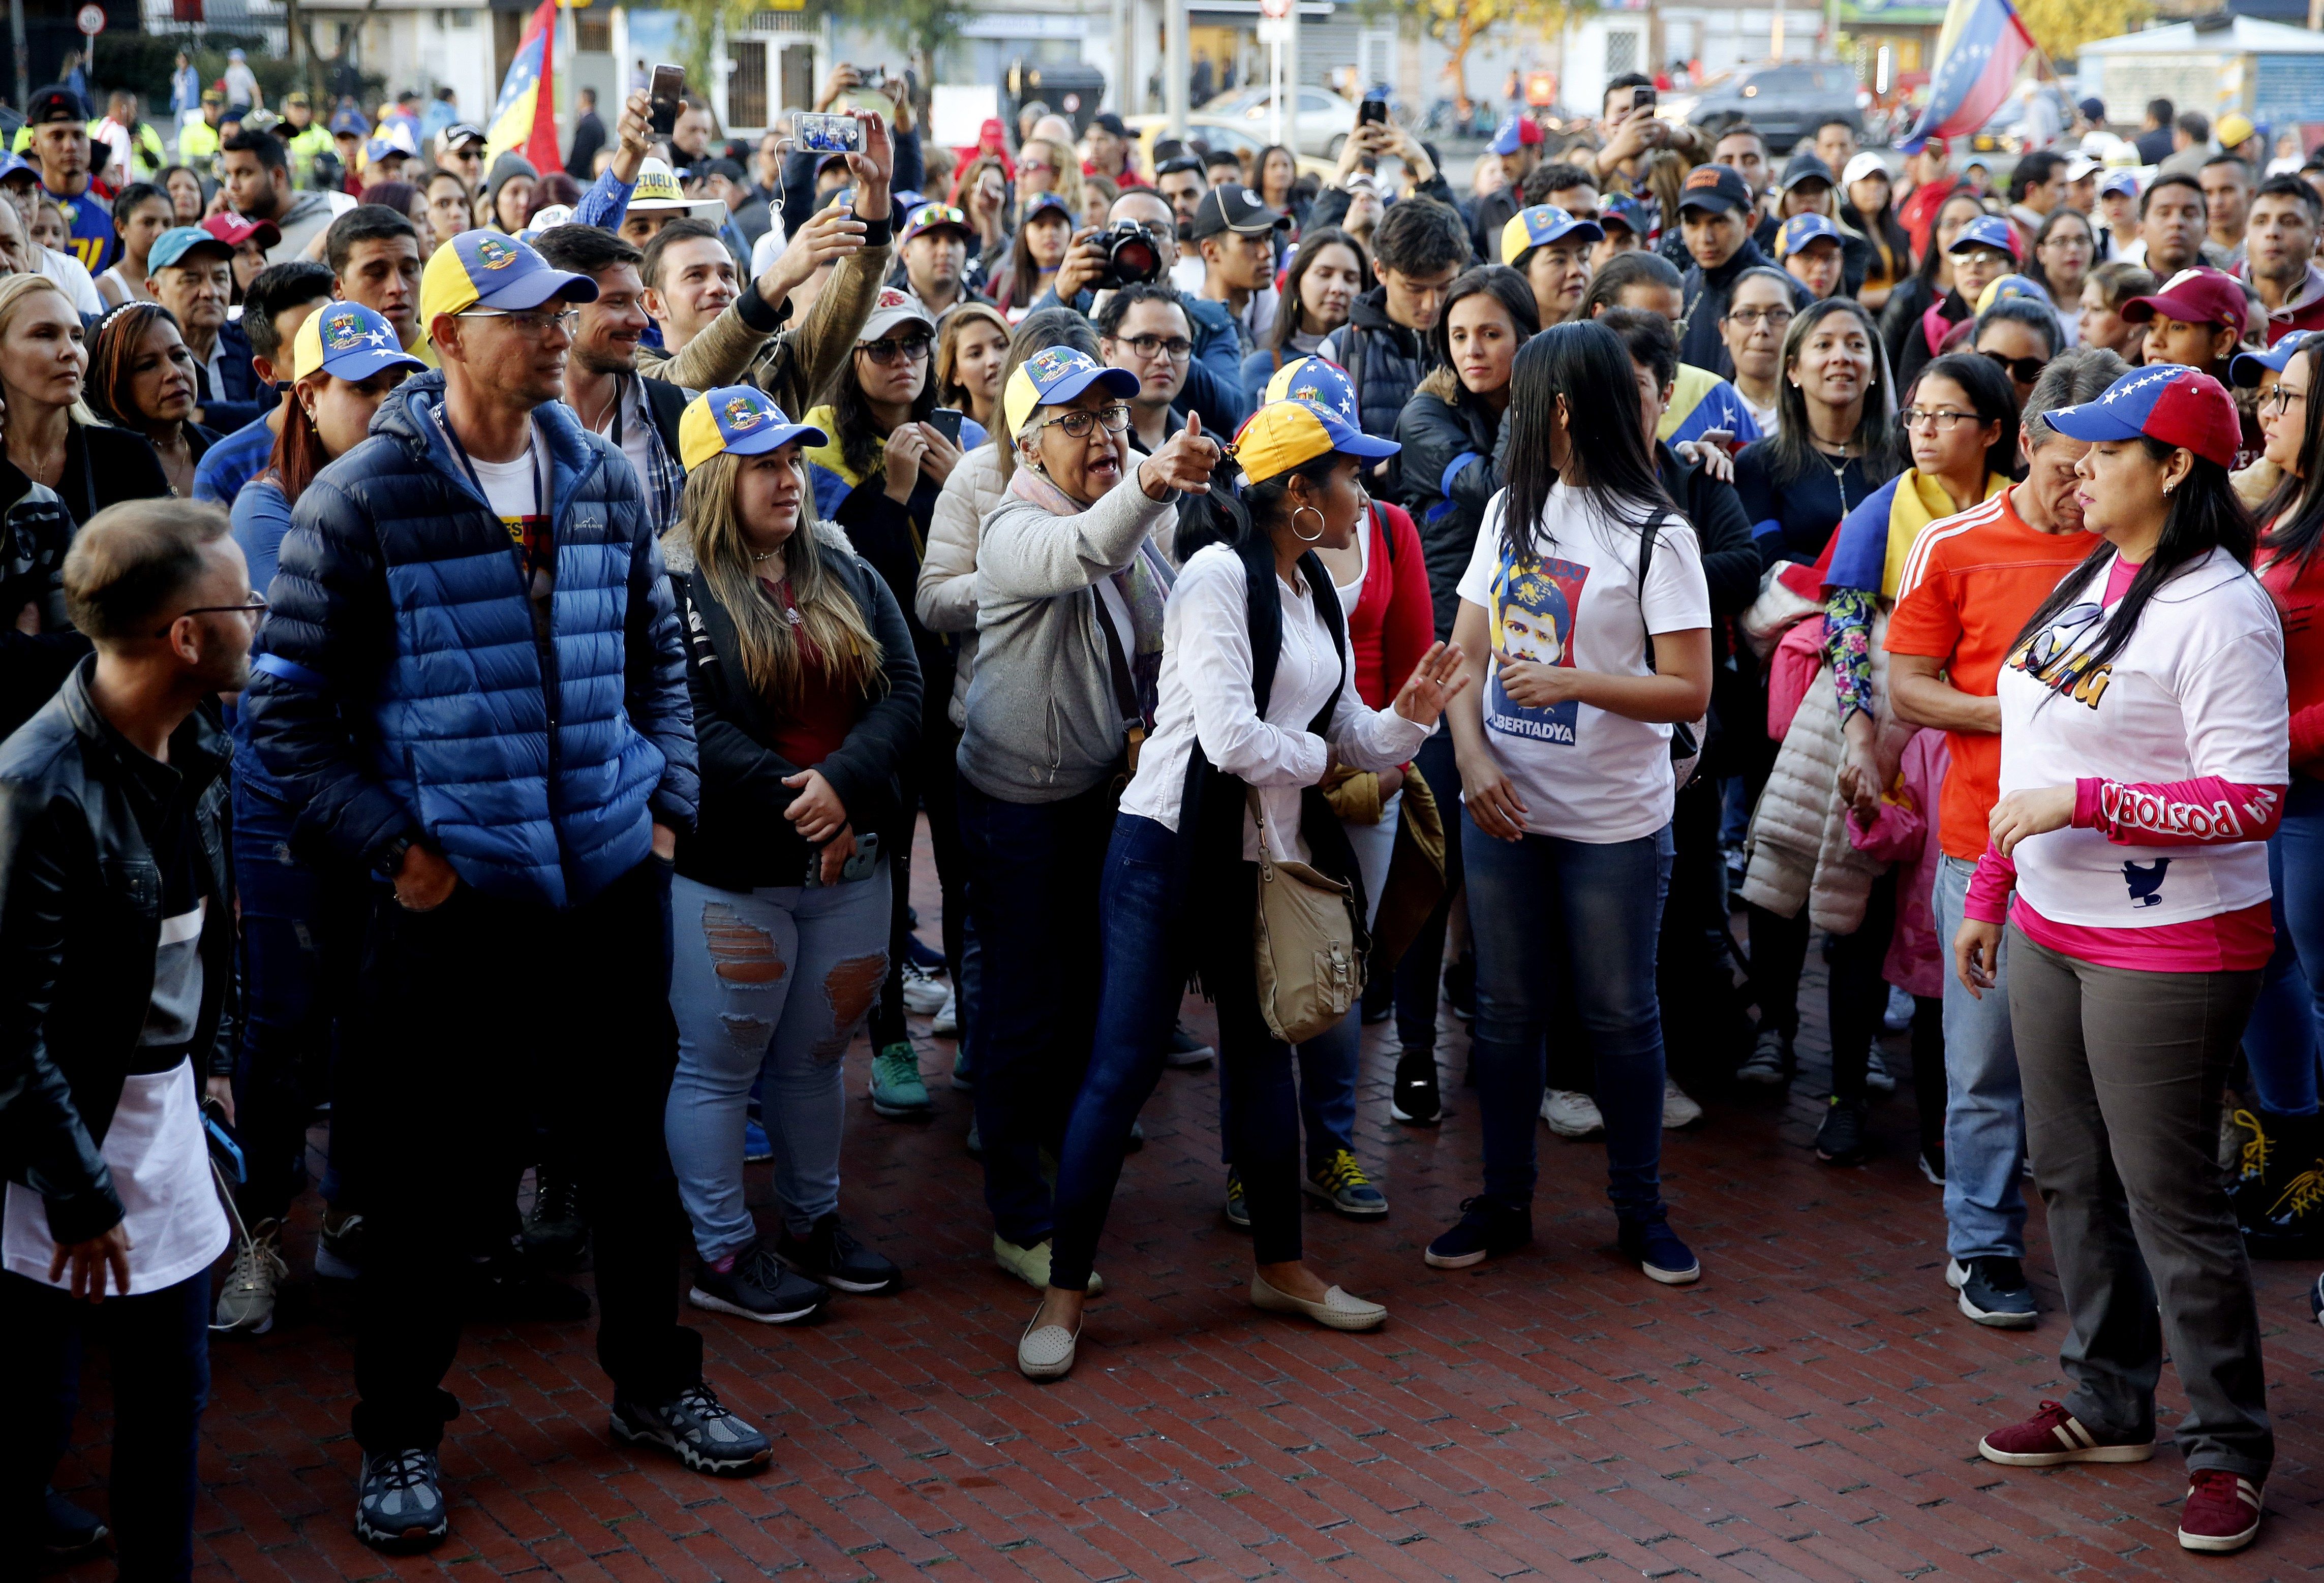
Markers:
{"x": 769, "y": 987}
{"x": 2286, "y": 1032}
{"x": 1033, "y": 881}
{"x": 1568, "y": 927}
{"x": 1985, "y": 1109}
{"x": 160, "y": 1346}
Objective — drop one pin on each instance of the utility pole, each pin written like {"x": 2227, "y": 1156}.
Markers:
{"x": 1175, "y": 71}
{"x": 23, "y": 56}
{"x": 1291, "y": 78}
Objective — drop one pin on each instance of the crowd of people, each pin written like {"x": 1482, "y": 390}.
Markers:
{"x": 482, "y": 651}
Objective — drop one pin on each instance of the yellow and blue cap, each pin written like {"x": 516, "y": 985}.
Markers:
{"x": 484, "y": 269}
{"x": 1055, "y": 375}
{"x": 1802, "y": 229}
{"x": 1284, "y": 435}
{"x": 739, "y": 419}
{"x": 2003, "y": 288}
{"x": 1540, "y": 225}
{"x": 1316, "y": 380}
{"x": 348, "y": 340}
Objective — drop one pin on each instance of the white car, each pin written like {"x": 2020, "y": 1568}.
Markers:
{"x": 1326, "y": 118}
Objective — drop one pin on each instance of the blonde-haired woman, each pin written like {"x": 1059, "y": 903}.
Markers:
{"x": 52, "y": 438}
{"x": 971, "y": 350}
{"x": 1047, "y": 165}
{"x": 807, "y": 704}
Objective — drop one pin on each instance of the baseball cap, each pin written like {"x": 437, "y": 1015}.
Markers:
{"x": 894, "y": 307}
{"x": 1232, "y": 206}
{"x": 1540, "y": 225}
{"x": 172, "y": 246}
{"x": 2119, "y": 180}
{"x": 2197, "y": 296}
{"x": 296, "y": 96}
{"x": 1515, "y": 132}
{"x": 1619, "y": 209}
{"x": 384, "y": 148}
{"x": 1986, "y": 231}
{"x": 211, "y": 95}
{"x": 659, "y": 193}
{"x": 1316, "y": 380}
{"x": 933, "y": 217}
{"x": 484, "y": 268}
{"x": 235, "y": 55}
{"x": 1866, "y": 163}
{"x": 2247, "y": 366}
{"x": 2081, "y": 165}
{"x": 55, "y": 103}
{"x": 548, "y": 218}
{"x": 260, "y": 120}
{"x": 2233, "y": 129}
{"x": 17, "y": 165}
{"x": 1110, "y": 122}
{"x": 1040, "y": 202}
{"x": 348, "y": 340}
{"x": 1284, "y": 435}
{"x": 1804, "y": 167}
{"x": 234, "y": 230}
{"x": 344, "y": 121}
{"x": 1055, "y": 376}
{"x": 2008, "y": 286}
{"x": 2093, "y": 108}
{"x": 1801, "y": 230}
{"x": 737, "y": 420}
{"x": 2178, "y": 406}
{"x": 457, "y": 134}
{"x": 1714, "y": 187}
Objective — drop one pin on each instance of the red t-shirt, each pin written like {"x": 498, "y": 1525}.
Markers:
{"x": 1970, "y": 583}
{"x": 811, "y": 730}
{"x": 2300, "y": 597}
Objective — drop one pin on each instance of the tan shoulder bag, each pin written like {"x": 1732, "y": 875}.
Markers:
{"x": 1304, "y": 943}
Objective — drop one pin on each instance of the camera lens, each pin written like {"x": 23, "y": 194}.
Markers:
{"x": 1135, "y": 260}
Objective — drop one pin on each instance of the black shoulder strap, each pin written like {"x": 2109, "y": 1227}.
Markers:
{"x": 1335, "y": 621}
{"x": 1646, "y": 536}
{"x": 1117, "y": 659}
{"x": 1351, "y": 358}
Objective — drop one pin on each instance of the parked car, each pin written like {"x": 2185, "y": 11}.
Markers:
{"x": 1785, "y": 100}
{"x": 1218, "y": 132}
{"x": 1326, "y": 118}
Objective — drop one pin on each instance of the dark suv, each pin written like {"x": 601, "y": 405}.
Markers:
{"x": 1786, "y": 101}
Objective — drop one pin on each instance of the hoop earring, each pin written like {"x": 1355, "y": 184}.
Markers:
{"x": 1320, "y": 525}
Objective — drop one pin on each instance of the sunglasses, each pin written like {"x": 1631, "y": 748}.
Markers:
{"x": 2023, "y": 369}
{"x": 910, "y": 348}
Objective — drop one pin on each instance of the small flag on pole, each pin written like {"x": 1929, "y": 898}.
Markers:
{"x": 1978, "y": 51}
{"x": 524, "y": 117}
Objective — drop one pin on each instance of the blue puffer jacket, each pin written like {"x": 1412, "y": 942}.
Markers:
{"x": 401, "y": 690}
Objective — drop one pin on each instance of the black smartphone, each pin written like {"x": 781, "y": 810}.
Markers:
{"x": 1642, "y": 99}
{"x": 1371, "y": 111}
{"x": 946, "y": 421}
{"x": 667, "y": 91}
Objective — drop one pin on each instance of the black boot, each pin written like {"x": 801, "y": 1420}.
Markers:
{"x": 2282, "y": 1212}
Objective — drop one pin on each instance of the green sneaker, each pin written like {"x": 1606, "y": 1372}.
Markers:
{"x": 1031, "y": 1264}
{"x": 896, "y": 1086}
{"x": 1341, "y": 1183}
{"x": 1238, "y": 1211}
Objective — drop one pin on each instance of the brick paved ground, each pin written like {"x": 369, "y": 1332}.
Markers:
{"x": 1809, "y": 1410}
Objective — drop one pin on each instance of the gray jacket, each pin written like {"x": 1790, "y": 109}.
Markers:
{"x": 1043, "y": 721}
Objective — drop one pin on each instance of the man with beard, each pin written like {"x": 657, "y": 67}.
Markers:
{"x": 601, "y": 384}
{"x": 256, "y": 171}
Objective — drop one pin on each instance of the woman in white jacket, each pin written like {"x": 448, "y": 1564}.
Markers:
{"x": 2144, "y": 755}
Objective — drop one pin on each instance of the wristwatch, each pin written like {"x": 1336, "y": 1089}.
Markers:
{"x": 390, "y": 856}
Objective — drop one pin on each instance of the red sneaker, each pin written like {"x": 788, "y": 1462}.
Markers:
{"x": 2052, "y": 1436}
{"x": 2221, "y": 1513}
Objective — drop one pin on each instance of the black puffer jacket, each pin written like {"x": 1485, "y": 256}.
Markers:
{"x": 79, "y": 928}
{"x": 1450, "y": 474}
{"x": 1385, "y": 361}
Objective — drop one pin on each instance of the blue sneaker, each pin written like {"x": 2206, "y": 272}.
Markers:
{"x": 698, "y": 1429}
{"x": 755, "y": 1147}
{"x": 1659, "y": 1252}
{"x": 1486, "y": 1229}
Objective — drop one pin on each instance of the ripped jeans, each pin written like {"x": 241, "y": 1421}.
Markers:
{"x": 775, "y": 980}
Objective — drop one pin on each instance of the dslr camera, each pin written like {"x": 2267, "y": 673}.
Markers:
{"x": 1132, "y": 258}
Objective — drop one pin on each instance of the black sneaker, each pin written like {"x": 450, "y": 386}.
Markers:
{"x": 399, "y": 1503}
{"x": 1184, "y": 1052}
{"x": 829, "y": 1254}
{"x": 698, "y": 1429}
{"x": 1993, "y": 1292}
{"x": 2316, "y": 1300}
{"x": 1657, "y": 1251}
{"x": 66, "y": 1530}
{"x": 1487, "y": 1230}
{"x": 1237, "y": 1208}
{"x": 556, "y": 1235}
{"x": 510, "y": 1289}
{"x": 1380, "y": 999}
{"x": 757, "y": 1287}
{"x": 1841, "y": 1140}
{"x": 1413, "y": 1098}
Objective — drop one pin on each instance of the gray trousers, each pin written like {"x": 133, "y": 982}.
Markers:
{"x": 2123, "y": 1074}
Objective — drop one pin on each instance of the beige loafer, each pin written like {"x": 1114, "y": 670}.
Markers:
{"x": 1337, "y": 1310}
{"x": 1046, "y": 1353}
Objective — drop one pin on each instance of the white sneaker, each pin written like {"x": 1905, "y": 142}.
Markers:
{"x": 1900, "y": 1009}
{"x": 1877, "y": 1075}
{"x": 1678, "y": 1110}
{"x": 946, "y": 1024}
{"x": 1571, "y": 1113}
{"x": 924, "y": 994}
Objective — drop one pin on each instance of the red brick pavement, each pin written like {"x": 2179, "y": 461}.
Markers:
{"x": 1809, "y": 1410}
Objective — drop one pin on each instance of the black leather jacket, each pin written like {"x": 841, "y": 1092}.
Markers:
{"x": 80, "y": 919}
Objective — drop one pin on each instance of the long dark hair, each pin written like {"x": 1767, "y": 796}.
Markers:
{"x": 1991, "y": 394}
{"x": 1024, "y": 268}
{"x": 299, "y": 454}
{"x": 1236, "y": 512}
{"x": 1606, "y": 460}
{"x": 859, "y": 427}
{"x": 2295, "y": 510}
{"x": 1507, "y": 286}
{"x": 1294, "y": 307}
{"x": 1791, "y": 449}
{"x": 2203, "y": 514}
{"x": 1927, "y": 272}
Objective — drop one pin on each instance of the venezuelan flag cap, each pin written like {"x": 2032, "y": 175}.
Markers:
{"x": 1540, "y": 225}
{"x": 1284, "y": 435}
{"x": 484, "y": 269}
{"x": 2249, "y": 367}
{"x": 1316, "y": 380}
{"x": 2177, "y": 406}
{"x": 658, "y": 192}
{"x": 348, "y": 340}
{"x": 1055, "y": 376}
{"x": 737, "y": 419}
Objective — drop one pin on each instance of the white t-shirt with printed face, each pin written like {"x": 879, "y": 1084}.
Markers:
{"x": 1582, "y": 773}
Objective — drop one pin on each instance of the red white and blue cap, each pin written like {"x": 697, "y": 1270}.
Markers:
{"x": 1316, "y": 380}
{"x": 1802, "y": 229}
{"x": 1986, "y": 231}
{"x": 1540, "y": 225}
{"x": 739, "y": 418}
{"x": 2177, "y": 406}
{"x": 1055, "y": 376}
{"x": 1284, "y": 435}
{"x": 2248, "y": 366}
{"x": 1515, "y": 133}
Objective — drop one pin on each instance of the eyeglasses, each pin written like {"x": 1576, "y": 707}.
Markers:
{"x": 2023, "y": 369}
{"x": 911, "y": 348}
{"x": 1178, "y": 347}
{"x": 1751, "y": 318}
{"x": 254, "y": 609}
{"x": 2281, "y": 398}
{"x": 532, "y": 321}
{"x": 1114, "y": 415}
{"x": 1940, "y": 419}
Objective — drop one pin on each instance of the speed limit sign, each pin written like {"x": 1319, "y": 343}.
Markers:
{"x": 92, "y": 19}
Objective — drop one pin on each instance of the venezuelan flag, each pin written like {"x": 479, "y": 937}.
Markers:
{"x": 1978, "y": 51}
{"x": 524, "y": 117}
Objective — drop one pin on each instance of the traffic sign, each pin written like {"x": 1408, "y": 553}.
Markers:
{"x": 92, "y": 19}
{"x": 1275, "y": 7}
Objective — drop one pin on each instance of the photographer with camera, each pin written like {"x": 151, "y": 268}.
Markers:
{"x": 1139, "y": 243}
